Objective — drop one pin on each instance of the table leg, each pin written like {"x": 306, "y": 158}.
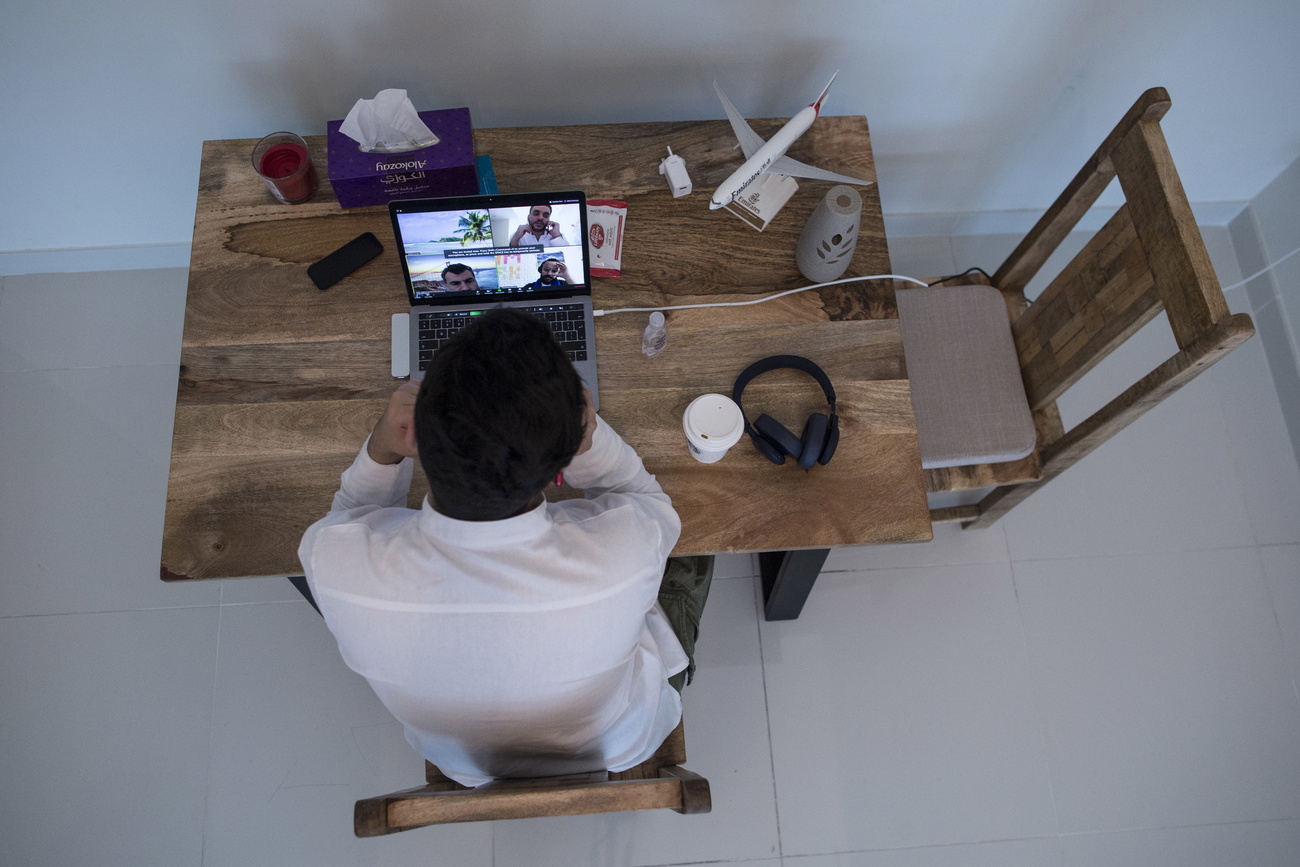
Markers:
{"x": 299, "y": 583}
{"x": 788, "y": 578}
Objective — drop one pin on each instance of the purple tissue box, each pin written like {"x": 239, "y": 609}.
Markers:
{"x": 444, "y": 169}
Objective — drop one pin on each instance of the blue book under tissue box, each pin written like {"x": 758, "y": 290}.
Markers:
{"x": 445, "y": 169}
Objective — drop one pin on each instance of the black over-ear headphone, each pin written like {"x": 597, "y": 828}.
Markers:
{"x": 773, "y": 440}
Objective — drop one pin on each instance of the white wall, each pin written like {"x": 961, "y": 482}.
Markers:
{"x": 974, "y": 107}
{"x": 1266, "y": 231}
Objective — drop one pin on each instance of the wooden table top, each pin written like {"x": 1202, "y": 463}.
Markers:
{"x": 280, "y": 383}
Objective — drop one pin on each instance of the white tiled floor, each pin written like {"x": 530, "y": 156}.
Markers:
{"x": 1107, "y": 677}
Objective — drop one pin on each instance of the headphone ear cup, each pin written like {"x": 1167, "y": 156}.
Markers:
{"x": 832, "y": 440}
{"x": 767, "y": 450}
{"x": 813, "y": 440}
{"x": 779, "y": 437}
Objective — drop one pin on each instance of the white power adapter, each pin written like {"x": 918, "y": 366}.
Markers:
{"x": 673, "y": 168}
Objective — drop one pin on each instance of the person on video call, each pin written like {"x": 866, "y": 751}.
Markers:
{"x": 551, "y": 274}
{"x": 459, "y": 278}
{"x": 538, "y": 229}
{"x": 511, "y": 637}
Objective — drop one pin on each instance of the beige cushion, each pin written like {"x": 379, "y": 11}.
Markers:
{"x": 966, "y": 388}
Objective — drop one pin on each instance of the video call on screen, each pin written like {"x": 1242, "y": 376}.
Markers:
{"x": 480, "y": 239}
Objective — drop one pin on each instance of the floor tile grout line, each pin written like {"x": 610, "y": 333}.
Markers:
{"x": 767, "y": 708}
{"x": 1110, "y": 555}
{"x": 1064, "y": 558}
{"x": 112, "y": 611}
{"x": 1272, "y": 603}
{"x": 987, "y": 842}
{"x": 1006, "y": 542}
{"x": 886, "y": 568}
{"x": 1081, "y": 557}
{"x": 1036, "y": 698}
{"x": 720, "y": 861}
{"x": 1061, "y": 835}
{"x": 1283, "y": 643}
{"x": 212, "y": 737}
{"x": 1184, "y": 827}
{"x": 261, "y": 602}
{"x": 1236, "y": 456}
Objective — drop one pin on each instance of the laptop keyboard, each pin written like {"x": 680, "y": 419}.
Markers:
{"x": 567, "y": 322}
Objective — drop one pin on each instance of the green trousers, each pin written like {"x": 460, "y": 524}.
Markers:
{"x": 682, "y": 594}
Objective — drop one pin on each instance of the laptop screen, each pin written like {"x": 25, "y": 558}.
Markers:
{"x": 494, "y": 247}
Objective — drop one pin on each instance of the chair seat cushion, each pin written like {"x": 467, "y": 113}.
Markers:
{"x": 966, "y": 388}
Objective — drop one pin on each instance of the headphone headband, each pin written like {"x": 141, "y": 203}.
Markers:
{"x": 783, "y": 362}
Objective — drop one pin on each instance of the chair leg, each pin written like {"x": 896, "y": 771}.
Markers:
{"x": 987, "y": 511}
{"x": 954, "y": 514}
{"x": 299, "y": 583}
{"x": 997, "y": 503}
{"x": 696, "y": 797}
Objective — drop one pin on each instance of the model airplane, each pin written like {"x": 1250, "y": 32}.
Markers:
{"x": 769, "y": 156}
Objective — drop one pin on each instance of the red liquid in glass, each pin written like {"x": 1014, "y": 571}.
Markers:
{"x": 281, "y": 162}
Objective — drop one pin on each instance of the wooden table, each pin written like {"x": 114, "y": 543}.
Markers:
{"x": 280, "y": 382}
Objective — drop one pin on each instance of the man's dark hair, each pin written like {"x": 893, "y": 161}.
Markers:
{"x": 547, "y": 205}
{"x": 455, "y": 268}
{"x": 500, "y": 412}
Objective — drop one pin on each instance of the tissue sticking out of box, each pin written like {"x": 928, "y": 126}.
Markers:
{"x": 387, "y": 124}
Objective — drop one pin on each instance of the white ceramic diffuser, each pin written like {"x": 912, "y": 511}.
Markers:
{"x": 828, "y": 240}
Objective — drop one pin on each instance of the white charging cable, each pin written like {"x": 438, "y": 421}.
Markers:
{"x": 776, "y": 295}
{"x": 1261, "y": 271}
{"x": 764, "y": 298}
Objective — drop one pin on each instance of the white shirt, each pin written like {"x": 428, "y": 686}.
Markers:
{"x": 530, "y": 646}
{"x": 545, "y": 239}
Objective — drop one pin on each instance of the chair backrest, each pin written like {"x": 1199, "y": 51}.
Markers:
{"x": 1147, "y": 258}
{"x": 658, "y": 783}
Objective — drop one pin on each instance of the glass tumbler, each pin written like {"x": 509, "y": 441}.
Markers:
{"x": 282, "y": 161}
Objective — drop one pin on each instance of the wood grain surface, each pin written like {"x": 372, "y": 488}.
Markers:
{"x": 279, "y": 382}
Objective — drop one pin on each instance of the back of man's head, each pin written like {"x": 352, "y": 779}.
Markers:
{"x": 500, "y": 412}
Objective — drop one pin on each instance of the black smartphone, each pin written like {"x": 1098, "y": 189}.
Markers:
{"x": 344, "y": 260}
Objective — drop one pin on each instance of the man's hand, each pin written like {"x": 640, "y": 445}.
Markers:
{"x": 394, "y": 435}
{"x": 519, "y": 233}
{"x": 553, "y": 229}
{"x": 591, "y": 423}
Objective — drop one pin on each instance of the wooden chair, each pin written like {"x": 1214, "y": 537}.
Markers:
{"x": 658, "y": 783}
{"x": 1147, "y": 258}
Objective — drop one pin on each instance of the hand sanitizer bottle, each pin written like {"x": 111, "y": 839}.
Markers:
{"x": 656, "y": 335}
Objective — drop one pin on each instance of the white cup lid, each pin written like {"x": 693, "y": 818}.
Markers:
{"x": 715, "y": 419}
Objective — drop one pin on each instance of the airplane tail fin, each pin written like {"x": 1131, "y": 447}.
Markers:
{"x": 817, "y": 103}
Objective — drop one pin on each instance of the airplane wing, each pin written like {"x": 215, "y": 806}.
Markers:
{"x": 787, "y": 166}
{"x": 750, "y": 141}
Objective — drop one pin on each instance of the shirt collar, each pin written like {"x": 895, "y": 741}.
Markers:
{"x": 485, "y": 535}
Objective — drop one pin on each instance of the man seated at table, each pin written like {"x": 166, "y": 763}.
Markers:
{"x": 512, "y": 637}
{"x": 552, "y": 274}
{"x": 538, "y": 228}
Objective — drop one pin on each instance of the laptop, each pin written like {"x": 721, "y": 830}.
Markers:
{"x": 465, "y": 255}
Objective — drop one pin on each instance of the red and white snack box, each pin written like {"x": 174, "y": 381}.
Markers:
{"x": 605, "y": 218}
